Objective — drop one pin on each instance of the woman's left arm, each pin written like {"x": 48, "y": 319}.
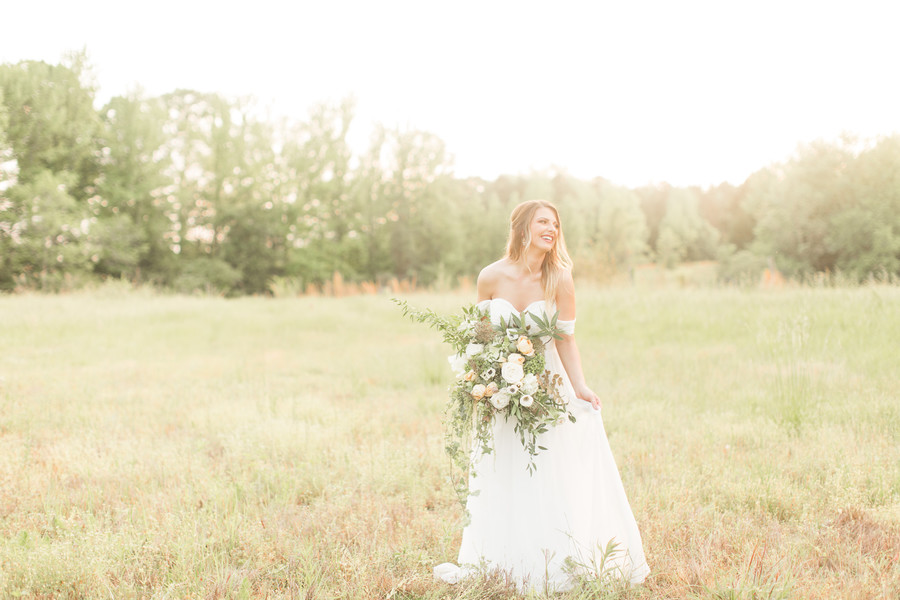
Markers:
{"x": 567, "y": 348}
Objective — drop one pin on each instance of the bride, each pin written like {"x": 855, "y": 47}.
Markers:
{"x": 570, "y": 516}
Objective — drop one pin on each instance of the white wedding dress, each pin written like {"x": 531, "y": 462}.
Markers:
{"x": 538, "y": 527}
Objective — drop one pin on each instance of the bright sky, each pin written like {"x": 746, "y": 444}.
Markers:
{"x": 637, "y": 91}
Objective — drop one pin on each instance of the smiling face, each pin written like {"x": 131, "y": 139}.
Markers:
{"x": 534, "y": 227}
{"x": 544, "y": 229}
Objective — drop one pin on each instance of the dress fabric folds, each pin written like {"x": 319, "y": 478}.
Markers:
{"x": 543, "y": 527}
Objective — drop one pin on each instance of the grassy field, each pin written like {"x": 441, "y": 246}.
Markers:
{"x": 177, "y": 447}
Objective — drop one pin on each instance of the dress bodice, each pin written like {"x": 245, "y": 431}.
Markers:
{"x": 501, "y": 307}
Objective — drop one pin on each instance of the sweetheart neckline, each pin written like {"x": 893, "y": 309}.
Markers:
{"x": 514, "y": 306}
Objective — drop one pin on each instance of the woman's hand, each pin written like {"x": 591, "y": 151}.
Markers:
{"x": 588, "y": 395}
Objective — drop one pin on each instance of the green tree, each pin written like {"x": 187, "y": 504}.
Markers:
{"x": 249, "y": 225}
{"x": 482, "y": 222}
{"x": 51, "y": 134}
{"x": 419, "y": 221}
{"x": 219, "y": 203}
{"x": 52, "y": 226}
{"x": 131, "y": 222}
{"x": 324, "y": 204}
{"x": 52, "y": 124}
{"x": 617, "y": 235}
{"x": 653, "y": 204}
{"x": 10, "y": 224}
{"x": 722, "y": 207}
{"x": 794, "y": 205}
{"x": 683, "y": 234}
{"x": 410, "y": 224}
{"x": 864, "y": 233}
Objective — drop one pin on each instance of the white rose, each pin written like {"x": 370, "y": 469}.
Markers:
{"x": 457, "y": 364}
{"x": 500, "y": 400}
{"x": 474, "y": 349}
{"x": 529, "y": 383}
{"x": 516, "y": 358}
{"x": 512, "y": 372}
{"x": 526, "y": 401}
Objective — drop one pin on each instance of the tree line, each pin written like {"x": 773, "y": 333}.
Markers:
{"x": 195, "y": 191}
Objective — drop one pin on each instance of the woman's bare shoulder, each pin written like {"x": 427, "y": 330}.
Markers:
{"x": 490, "y": 276}
{"x": 495, "y": 270}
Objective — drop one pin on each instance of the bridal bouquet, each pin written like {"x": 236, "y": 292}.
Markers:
{"x": 500, "y": 373}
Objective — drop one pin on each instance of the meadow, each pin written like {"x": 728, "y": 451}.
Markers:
{"x": 158, "y": 446}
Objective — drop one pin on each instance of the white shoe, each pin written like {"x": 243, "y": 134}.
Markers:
{"x": 448, "y": 573}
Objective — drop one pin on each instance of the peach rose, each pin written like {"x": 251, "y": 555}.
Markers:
{"x": 478, "y": 391}
{"x": 525, "y": 346}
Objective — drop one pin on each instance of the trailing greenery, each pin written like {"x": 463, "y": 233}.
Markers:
{"x": 193, "y": 191}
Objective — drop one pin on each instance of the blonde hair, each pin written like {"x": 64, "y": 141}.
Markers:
{"x": 555, "y": 262}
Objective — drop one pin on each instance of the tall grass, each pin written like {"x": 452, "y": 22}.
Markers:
{"x": 170, "y": 447}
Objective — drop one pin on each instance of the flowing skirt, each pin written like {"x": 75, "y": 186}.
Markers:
{"x": 570, "y": 516}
